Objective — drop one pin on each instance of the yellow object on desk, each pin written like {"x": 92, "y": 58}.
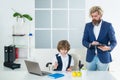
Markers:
{"x": 79, "y": 74}
{"x": 76, "y": 74}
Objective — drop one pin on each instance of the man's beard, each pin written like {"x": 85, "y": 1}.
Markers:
{"x": 96, "y": 22}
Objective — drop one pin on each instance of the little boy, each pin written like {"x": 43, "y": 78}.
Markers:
{"x": 63, "y": 61}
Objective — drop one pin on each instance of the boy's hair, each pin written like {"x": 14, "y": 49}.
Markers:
{"x": 96, "y": 8}
{"x": 63, "y": 44}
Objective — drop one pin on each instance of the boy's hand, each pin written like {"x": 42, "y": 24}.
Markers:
{"x": 55, "y": 65}
{"x": 69, "y": 69}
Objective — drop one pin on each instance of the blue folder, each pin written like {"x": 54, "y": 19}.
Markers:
{"x": 56, "y": 75}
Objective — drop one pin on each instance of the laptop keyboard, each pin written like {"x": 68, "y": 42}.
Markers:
{"x": 45, "y": 73}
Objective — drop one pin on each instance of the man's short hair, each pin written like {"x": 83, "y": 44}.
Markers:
{"x": 96, "y": 9}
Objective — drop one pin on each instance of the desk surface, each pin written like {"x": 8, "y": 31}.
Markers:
{"x": 86, "y": 75}
{"x": 22, "y": 74}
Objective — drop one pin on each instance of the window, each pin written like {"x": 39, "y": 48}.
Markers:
{"x": 56, "y": 20}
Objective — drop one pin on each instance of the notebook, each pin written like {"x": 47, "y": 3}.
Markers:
{"x": 56, "y": 75}
{"x": 34, "y": 68}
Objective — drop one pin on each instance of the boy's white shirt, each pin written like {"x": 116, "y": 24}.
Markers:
{"x": 64, "y": 61}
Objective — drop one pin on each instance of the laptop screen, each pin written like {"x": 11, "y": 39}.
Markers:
{"x": 34, "y": 68}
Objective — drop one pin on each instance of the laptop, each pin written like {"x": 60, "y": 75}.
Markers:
{"x": 34, "y": 68}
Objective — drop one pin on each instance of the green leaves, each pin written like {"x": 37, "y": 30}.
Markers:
{"x": 27, "y": 16}
{"x": 16, "y": 14}
{"x": 19, "y": 15}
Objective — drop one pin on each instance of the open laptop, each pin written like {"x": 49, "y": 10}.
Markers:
{"x": 34, "y": 68}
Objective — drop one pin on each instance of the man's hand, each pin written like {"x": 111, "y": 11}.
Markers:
{"x": 104, "y": 48}
{"x": 94, "y": 43}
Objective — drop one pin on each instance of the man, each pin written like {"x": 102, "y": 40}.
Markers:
{"x": 99, "y": 39}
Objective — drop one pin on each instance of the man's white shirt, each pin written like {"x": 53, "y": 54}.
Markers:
{"x": 96, "y": 31}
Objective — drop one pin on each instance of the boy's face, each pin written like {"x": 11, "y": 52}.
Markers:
{"x": 63, "y": 51}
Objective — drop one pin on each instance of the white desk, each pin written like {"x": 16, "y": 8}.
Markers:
{"x": 22, "y": 74}
{"x": 86, "y": 75}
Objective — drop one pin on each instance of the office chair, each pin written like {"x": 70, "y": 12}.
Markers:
{"x": 80, "y": 65}
{"x": 48, "y": 65}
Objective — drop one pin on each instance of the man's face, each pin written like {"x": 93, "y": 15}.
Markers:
{"x": 96, "y": 18}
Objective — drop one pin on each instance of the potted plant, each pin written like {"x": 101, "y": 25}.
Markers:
{"x": 21, "y": 26}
